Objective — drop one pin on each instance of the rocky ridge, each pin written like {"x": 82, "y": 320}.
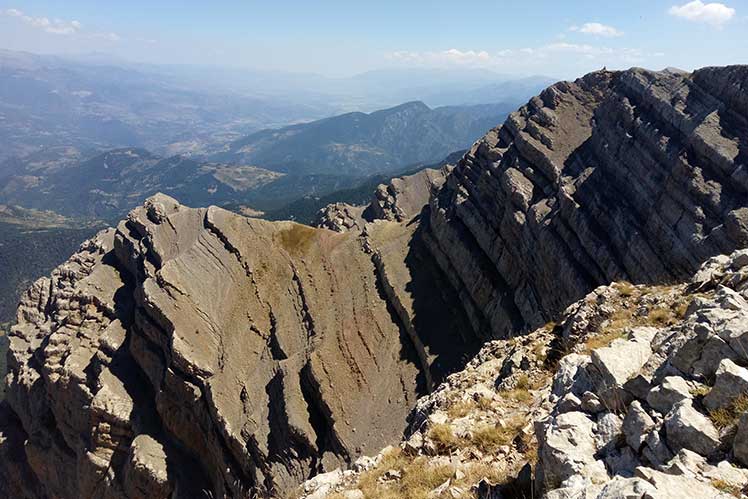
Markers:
{"x": 638, "y": 391}
{"x": 399, "y": 200}
{"x": 195, "y": 351}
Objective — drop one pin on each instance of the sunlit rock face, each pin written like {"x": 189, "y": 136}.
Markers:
{"x": 191, "y": 351}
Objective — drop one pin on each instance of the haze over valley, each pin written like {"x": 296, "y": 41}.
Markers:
{"x": 383, "y": 250}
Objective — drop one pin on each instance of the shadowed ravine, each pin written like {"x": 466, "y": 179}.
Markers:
{"x": 194, "y": 349}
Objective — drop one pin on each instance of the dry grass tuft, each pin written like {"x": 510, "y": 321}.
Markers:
{"x": 461, "y": 408}
{"x": 418, "y": 478}
{"x": 728, "y": 416}
{"x": 517, "y": 394}
{"x": 727, "y": 487}
{"x": 700, "y": 392}
{"x": 604, "y": 339}
{"x": 297, "y": 238}
{"x": 444, "y": 439}
{"x": 660, "y": 316}
{"x": 625, "y": 289}
{"x": 488, "y": 439}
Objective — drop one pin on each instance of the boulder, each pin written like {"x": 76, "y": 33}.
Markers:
{"x": 731, "y": 382}
{"x": 568, "y": 449}
{"x": 740, "y": 444}
{"x": 620, "y": 362}
{"x": 687, "y": 428}
{"x": 664, "y": 396}
{"x": 672, "y": 487}
{"x": 146, "y": 471}
{"x": 571, "y": 376}
{"x": 608, "y": 431}
{"x": 636, "y": 425}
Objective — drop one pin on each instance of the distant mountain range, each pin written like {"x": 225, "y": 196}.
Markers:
{"x": 110, "y": 184}
{"x": 364, "y": 144}
{"x": 265, "y": 170}
{"x": 48, "y": 101}
{"x": 100, "y": 103}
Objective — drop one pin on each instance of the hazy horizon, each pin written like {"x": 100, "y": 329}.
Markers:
{"x": 340, "y": 39}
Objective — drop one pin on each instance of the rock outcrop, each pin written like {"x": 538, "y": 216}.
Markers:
{"x": 195, "y": 351}
{"x": 399, "y": 200}
{"x": 633, "y": 175}
{"x": 474, "y": 436}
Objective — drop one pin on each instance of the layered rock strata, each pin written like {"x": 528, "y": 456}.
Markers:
{"x": 645, "y": 404}
{"x": 195, "y": 351}
{"x": 634, "y": 175}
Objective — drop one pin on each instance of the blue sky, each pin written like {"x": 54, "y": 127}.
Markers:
{"x": 332, "y": 37}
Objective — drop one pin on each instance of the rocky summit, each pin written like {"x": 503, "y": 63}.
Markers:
{"x": 195, "y": 352}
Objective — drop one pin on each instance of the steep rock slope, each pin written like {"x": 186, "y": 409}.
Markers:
{"x": 194, "y": 350}
{"x": 248, "y": 354}
{"x": 631, "y": 175}
{"x": 637, "y": 392}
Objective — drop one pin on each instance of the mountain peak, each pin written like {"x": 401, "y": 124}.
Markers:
{"x": 261, "y": 353}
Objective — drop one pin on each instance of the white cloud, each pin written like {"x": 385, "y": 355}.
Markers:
{"x": 111, "y": 37}
{"x": 597, "y": 29}
{"x": 446, "y": 57}
{"x": 716, "y": 14}
{"x": 54, "y": 26}
{"x": 58, "y": 26}
{"x": 528, "y": 57}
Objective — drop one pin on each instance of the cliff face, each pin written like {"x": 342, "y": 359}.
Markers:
{"x": 245, "y": 354}
{"x": 635, "y": 175}
{"x": 193, "y": 351}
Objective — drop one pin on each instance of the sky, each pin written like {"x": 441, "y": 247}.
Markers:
{"x": 340, "y": 38}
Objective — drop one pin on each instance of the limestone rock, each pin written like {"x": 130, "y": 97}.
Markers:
{"x": 664, "y": 396}
{"x": 731, "y": 382}
{"x": 618, "y": 363}
{"x": 257, "y": 354}
{"x": 740, "y": 444}
{"x": 146, "y": 472}
{"x": 588, "y": 184}
{"x": 687, "y": 428}
{"x": 636, "y": 425}
{"x": 569, "y": 449}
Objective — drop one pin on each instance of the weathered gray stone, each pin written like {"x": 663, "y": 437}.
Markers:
{"x": 627, "y": 488}
{"x": 620, "y": 362}
{"x": 608, "y": 432}
{"x": 670, "y": 486}
{"x": 571, "y": 376}
{"x": 731, "y": 382}
{"x": 568, "y": 449}
{"x": 687, "y": 428}
{"x": 664, "y": 396}
{"x": 740, "y": 444}
{"x": 636, "y": 425}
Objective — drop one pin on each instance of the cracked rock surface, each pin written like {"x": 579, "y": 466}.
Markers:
{"x": 192, "y": 350}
